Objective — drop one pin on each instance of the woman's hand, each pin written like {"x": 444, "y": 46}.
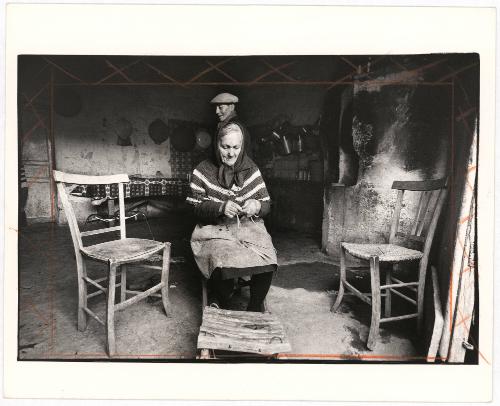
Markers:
{"x": 251, "y": 207}
{"x": 231, "y": 209}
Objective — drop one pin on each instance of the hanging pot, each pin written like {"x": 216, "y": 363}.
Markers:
{"x": 123, "y": 129}
{"x": 158, "y": 131}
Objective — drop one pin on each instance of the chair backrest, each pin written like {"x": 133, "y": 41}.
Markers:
{"x": 430, "y": 203}
{"x": 64, "y": 180}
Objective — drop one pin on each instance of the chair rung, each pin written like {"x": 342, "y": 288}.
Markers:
{"x": 396, "y": 318}
{"x": 358, "y": 293}
{"x": 99, "y": 231}
{"x": 398, "y": 285}
{"x": 393, "y": 279}
{"x": 137, "y": 292}
{"x": 357, "y": 268}
{"x": 96, "y": 293}
{"x": 409, "y": 299}
{"x": 156, "y": 267}
{"x": 138, "y": 297}
{"x": 94, "y": 283}
{"x": 92, "y": 314}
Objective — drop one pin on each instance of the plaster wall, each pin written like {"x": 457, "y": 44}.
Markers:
{"x": 88, "y": 143}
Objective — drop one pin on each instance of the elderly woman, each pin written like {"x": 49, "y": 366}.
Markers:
{"x": 230, "y": 240}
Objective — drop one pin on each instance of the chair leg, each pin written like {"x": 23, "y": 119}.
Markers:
{"x": 165, "y": 270}
{"x": 204, "y": 354}
{"x": 340, "y": 293}
{"x": 388, "y": 275}
{"x": 110, "y": 311}
{"x": 376, "y": 302}
{"x": 204, "y": 292}
{"x": 123, "y": 283}
{"x": 420, "y": 295}
{"x": 82, "y": 292}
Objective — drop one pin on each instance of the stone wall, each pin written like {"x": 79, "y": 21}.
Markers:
{"x": 399, "y": 132}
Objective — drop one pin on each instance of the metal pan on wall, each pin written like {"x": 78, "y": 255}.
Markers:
{"x": 203, "y": 139}
{"x": 158, "y": 131}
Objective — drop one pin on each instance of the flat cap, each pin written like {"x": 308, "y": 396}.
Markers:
{"x": 224, "y": 98}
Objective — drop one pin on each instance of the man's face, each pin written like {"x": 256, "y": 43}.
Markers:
{"x": 223, "y": 110}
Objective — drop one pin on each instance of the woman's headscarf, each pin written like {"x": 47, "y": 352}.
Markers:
{"x": 236, "y": 174}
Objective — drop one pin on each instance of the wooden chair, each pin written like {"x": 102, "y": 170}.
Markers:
{"x": 116, "y": 254}
{"x": 423, "y": 226}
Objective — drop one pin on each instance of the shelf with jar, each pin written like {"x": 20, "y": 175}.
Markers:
{"x": 289, "y": 152}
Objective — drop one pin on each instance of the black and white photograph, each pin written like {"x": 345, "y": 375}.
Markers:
{"x": 228, "y": 209}
{"x": 252, "y": 199}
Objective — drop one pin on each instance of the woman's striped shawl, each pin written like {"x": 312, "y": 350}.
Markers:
{"x": 205, "y": 186}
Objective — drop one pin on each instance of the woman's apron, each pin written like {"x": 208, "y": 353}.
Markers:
{"x": 234, "y": 243}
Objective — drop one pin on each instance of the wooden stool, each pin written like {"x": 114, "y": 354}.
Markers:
{"x": 240, "y": 331}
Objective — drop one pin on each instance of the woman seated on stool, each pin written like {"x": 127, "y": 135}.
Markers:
{"x": 230, "y": 240}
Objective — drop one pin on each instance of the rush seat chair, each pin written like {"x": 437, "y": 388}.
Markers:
{"x": 390, "y": 256}
{"x": 116, "y": 254}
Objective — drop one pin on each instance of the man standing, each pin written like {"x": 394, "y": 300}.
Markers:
{"x": 226, "y": 112}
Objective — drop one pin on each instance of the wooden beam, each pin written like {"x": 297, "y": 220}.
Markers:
{"x": 118, "y": 71}
{"x": 352, "y": 65}
{"x": 278, "y": 70}
{"x": 205, "y": 71}
{"x": 222, "y": 72}
{"x": 30, "y": 100}
{"x": 72, "y": 76}
{"x": 455, "y": 73}
{"x": 163, "y": 74}
{"x": 258, "y": 78}
{"x": 114, "y": 73}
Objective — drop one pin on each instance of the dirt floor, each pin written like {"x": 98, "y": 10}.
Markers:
{"x": 301, "y": 296}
